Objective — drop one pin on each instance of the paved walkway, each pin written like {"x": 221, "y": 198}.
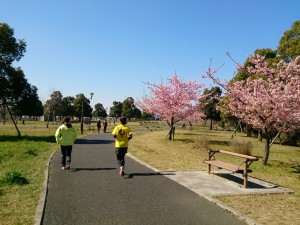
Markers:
{"x": 92, "y": 192}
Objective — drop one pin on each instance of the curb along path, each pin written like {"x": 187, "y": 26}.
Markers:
{"x": 93, "y": 192}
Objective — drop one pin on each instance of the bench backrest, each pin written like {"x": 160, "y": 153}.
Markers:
{"x": 249, "y": 157}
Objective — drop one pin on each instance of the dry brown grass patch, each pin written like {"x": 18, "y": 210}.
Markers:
{"x": 241, "y": 146}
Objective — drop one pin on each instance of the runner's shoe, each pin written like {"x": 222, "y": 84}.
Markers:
{"x": 121, "y": 172}
{"x": 68, "y": 166}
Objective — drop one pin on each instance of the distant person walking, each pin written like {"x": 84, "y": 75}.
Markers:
{"x": 122, "y": 134}
{"x": 98, "y": 125}
{"x": 104, "y": 126}
{"x": 65, "y": 136}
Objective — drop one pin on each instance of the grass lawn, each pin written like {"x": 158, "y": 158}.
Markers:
{"x": 22, "y": 165}
{"x": 23, "y": 162}
{"x": 283, "y": 169}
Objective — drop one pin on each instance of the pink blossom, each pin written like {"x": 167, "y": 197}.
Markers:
{"x": 173, "y": 101}
{"x": 268, "y": 102}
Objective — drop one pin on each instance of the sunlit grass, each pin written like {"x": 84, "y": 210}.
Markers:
{"x": 283, "y": 169}
{"x": 24, "y": 157}
{"x": 27, "y": 157}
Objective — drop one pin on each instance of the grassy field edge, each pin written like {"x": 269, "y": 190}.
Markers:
{"x": 30, "y": 156}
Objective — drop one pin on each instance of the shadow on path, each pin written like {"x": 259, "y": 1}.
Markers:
{"x": 86, "y": 141}
{"x": 132, "y": 175}
{"x": 93, "y": 192}
{"x": 90, "y": 169}
{"x": 240, "y": 181}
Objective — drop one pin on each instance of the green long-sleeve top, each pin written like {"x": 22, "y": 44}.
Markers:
{"x": 66, "y": 135}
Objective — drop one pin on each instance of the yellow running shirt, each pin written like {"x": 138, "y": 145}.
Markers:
{"x": 122, "y": 133}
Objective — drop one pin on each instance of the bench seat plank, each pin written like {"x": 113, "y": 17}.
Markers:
{"x": 224, "y": 165}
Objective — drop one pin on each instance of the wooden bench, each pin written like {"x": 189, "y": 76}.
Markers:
{"x": 243, "y": 168}
{"x": 91, "y": 128}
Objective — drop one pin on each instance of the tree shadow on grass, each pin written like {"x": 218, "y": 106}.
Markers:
{"x": 185, "y": 140}
{"x": 296, "y": 168}
{"x": 190, "y": 134}
{"x": 10, "y": 138}
{"x": 294, "y": 165}
{"x": 222, "y": 143}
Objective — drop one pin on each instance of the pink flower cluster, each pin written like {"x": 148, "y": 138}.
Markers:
{"x": 269, "y": 99}
{"x": 173, "y": 101}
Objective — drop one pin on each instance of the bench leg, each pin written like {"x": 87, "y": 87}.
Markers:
{"x": 209, "y": 168}
{"x": 245, "y": 174}
{"x": 245, "y": 180}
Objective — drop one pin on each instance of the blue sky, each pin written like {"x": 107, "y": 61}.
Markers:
{"x": 110, "y": 47}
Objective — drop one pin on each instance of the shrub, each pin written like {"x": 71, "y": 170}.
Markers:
{"x": 241, "y": 146}
{"x": 201, "y": 142}
{"x": 292, "y": 139}
{"x": 14, "y": 178}
{"x": 31, "y": 152}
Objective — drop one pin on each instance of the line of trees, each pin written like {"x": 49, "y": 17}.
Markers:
{"x": 264, "y": 94}
{"x": 19, "y": 98}
{"x": 58, "y": 105}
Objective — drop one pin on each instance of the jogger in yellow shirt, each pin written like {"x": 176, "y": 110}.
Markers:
{"x": 65, "y": 136}
{"x": 122, "y": 134}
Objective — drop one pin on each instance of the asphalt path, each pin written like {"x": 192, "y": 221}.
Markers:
{"x": 93, "y": 192}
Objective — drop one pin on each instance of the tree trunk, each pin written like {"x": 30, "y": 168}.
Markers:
{"x": 280, "y": 139}
{"x": 168, "y": 135}
{"x": 2, "y": 111}
{"x": 11, "y": 116}
{"x": 171, "y": 133}
{"x": 249, "y": 130}
{"x": 48, "y": 120}
{"x": 172, "y": 130}
{"x": 260, "y": 135}
{"x": 211, "y": 124}
{"x": 267, "y": 148}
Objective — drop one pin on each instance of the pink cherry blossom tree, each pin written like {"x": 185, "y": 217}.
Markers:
{"x": 173, "y": 101}
{"x": 269, "y": 99}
